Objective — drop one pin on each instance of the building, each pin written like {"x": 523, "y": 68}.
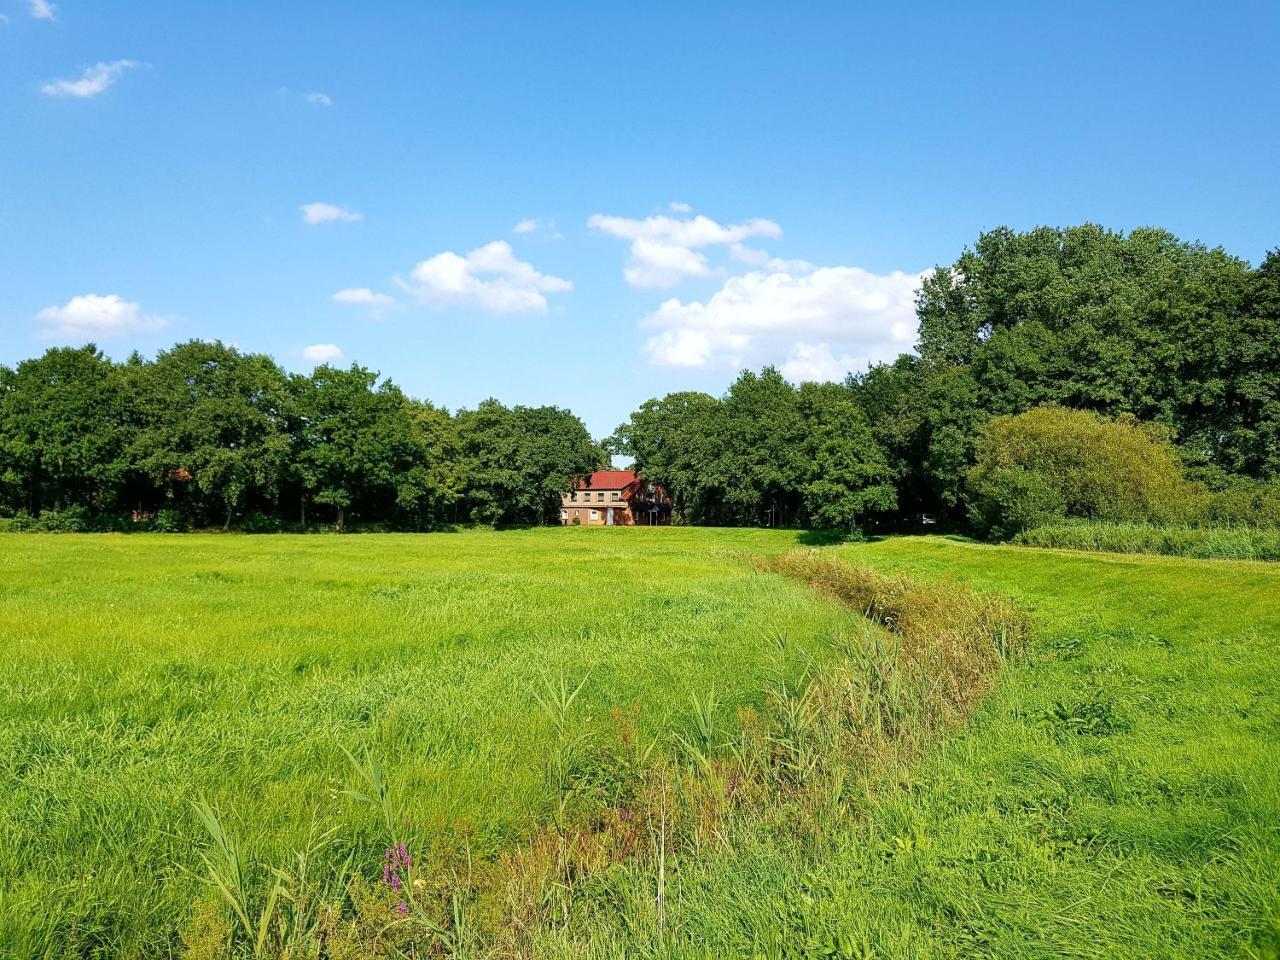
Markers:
{"x": 615, "y": 498}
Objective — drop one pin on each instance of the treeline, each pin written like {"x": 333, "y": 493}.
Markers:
{"x": 205, "y": 436}
{"x": 1173, "y": 341}
{"x": 1142, "y": 327}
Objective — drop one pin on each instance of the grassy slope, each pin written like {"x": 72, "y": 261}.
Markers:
{"x": 1153, "y": 833}
{"x": 145, "y": 671}
{"x": 234, "y": 666}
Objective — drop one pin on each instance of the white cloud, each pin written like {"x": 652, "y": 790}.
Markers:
{"x": 678, "y": 207}
{"x": 665, "y": 250}
{"x": 816, "y": 362}
{"x": 319, "y": 99}
{"x": 91, "y": 316}
{"x": 492, "y": 277}
{"x": 751, "y": 255}
{"x": 93, "y": 81}
{"x": 319, "y": 353}
{"x": 376, "y": 303}
{"x": 314, "y": 213}
{"x": 546, "y": 228}
{"x": 42, "y": 10}
{"x": 819, "y": 323}
{"x": 363, "y": 296}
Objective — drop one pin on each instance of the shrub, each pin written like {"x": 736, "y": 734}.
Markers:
{"x": 1051, "y": 462}
{"x": 169, "y": 520}
{"x": 257, "y": 522}
{"x": 70, "y": 520}
{"x": 1014, "y": 499}
{"x": 1243, "y": 502}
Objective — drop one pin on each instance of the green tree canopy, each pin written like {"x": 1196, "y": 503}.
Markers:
{"x": 1141, "y": 323}
{"x": 519, "y": 461}
{"x": 62, "y": 429}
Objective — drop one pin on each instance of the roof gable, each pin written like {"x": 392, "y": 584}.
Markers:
{"x": 606, "y": 480}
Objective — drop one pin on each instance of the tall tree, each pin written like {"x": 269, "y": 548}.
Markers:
{"x": 358, "y": 446}
{"x": 216, "y": 420}
{"x": 519, "y": 461}
{"x": 62, "y": 434}
{"x": 1137, "y": 323}
{"x": 846, "y": 475}
{"x": 676, "y": 441}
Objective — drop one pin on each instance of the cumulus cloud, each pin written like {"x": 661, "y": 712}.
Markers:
{"x": 42, "y": 10}
{"x": 819, "y": 323}
{"x": 319, "y": 353}
{"x": 93, "y": 81}
{"x": 525, "y": 226}
{"x": 666, "y": 250}
{"x": 491, "y": 277}
{"x": 816, "y": 362}
{"x": 678, "y": 207}
{"x": 319, "y": 99}
{"x": 314, "y": 213}
{"x": 93, "y": 317}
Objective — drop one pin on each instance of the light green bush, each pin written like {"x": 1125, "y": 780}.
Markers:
{"x": 1051, "y": 462}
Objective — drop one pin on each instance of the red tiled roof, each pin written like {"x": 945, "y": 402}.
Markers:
{"x": 607, "y": 480}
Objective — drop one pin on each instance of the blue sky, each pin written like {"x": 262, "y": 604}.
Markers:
{"x": 701, "y": 187}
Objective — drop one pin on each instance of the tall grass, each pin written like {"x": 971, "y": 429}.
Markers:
{"x": 1112, "y": 796}
{"x": 1223, "y": 543}
{"x": 144, "y": 672}
{"x": 701, "y": 757}
{"x": 921, "y": 658}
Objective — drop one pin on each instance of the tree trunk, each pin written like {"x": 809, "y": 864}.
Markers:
{"x": 341, "y": 519}
{"x": 226, "y": 526}
{"x": 303, "y": 501}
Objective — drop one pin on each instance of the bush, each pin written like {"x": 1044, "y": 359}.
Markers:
{"x": 169, "y": 520}
{"x": 1243, "y": 502}
{"x": 1051, "y": 463}
{"x": 70, "y": 520}
{"x": 1014, "y": 499}
{"x": 257, "y": 522}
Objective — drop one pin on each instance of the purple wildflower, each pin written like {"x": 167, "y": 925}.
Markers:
{"x": 402, "y": 907}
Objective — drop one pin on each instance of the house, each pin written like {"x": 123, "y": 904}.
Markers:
{"x": 609, "y": 498}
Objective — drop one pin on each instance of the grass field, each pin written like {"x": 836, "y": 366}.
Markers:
{"x": 1117, "y": 794}
{"x": 145, "y": 671}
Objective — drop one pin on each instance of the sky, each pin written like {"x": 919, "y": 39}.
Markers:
{"x": 592, "y": 204}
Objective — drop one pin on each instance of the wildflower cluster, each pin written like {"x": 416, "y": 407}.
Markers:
{"x": 396, "y": 862}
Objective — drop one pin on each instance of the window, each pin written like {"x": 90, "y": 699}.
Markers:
{"x": 615, "y": 495}
{"x": 564, "y": 514}
{"x": 600, "y": 497}
{"x": 595, "y": 514}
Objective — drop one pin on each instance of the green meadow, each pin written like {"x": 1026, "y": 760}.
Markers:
{"x": 1115, "y": 793}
